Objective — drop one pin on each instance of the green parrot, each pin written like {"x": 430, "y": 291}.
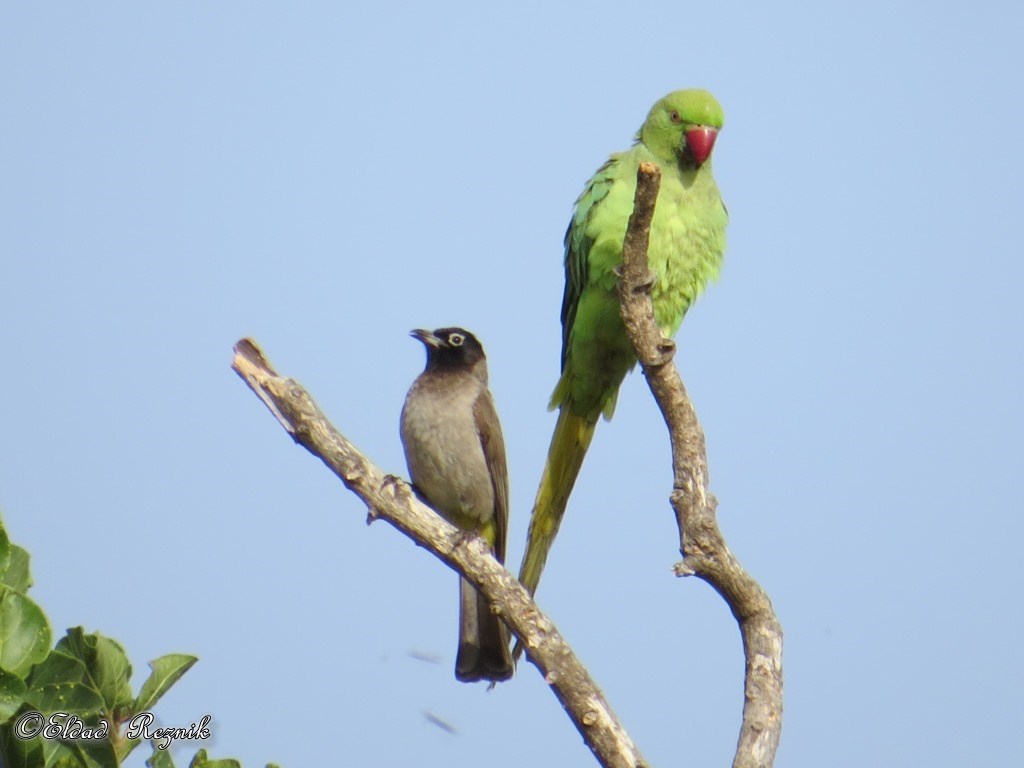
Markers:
{"x": 685, "y": 251}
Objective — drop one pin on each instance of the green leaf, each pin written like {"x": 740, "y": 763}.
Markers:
{"x": 78, "y": 698}
{"x": 12, "y": 695}
{"x": 201, "y": 761}
{"x": 15, "y": 753}
{"x": 112, "y": 673}
{"x": 13, "y": 563}
{"x": 94, "y": 754}
{"x": 57, "y": 667}
{"x": 109, "y": 670}
{"x": 14, "y": 571}
{"x": 60, "y": 684}
{"x": 57, "y": 755}
{"x": 79, "y": 754}
{"x": 24, "y": 633}
{"x": 167, "y": 670}
{"x": 5, "y": 544}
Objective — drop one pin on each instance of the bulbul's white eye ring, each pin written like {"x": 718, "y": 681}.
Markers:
{"x": 456, "y": 339}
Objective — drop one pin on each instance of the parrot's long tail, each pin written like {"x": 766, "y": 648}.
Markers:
{"x": 569, "y": 445}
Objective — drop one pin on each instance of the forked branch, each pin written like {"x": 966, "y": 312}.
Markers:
{"x": 705, "y": 553}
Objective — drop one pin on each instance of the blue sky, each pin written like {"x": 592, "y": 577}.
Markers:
{"x": 325, "y": 177}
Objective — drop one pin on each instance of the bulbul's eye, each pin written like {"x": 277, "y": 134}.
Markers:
{"x": 456, "y": 339}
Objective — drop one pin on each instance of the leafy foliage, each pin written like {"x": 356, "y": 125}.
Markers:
{"x": 70, "y": 705}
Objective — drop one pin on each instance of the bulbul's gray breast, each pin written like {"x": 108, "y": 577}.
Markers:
{"x": 443, "y": 448}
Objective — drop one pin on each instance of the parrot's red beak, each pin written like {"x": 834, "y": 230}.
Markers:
{"x": 699, "y": 143}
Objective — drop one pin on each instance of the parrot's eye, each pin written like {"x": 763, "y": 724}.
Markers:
{"x": 674, "y": 116}
{"x": 456, "y": 339}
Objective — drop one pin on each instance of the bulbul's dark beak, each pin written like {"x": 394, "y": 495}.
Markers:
{"x": 427, "y": 337}
{"x": 700, "y": 140}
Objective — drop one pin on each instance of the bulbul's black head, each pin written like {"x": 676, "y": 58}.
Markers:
{"x": 450, "y": 347}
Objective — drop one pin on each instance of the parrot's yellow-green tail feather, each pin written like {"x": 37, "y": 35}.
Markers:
{"x": 569, "y": 445}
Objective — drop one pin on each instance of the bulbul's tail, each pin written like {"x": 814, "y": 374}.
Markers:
{"x": 569, "y": 445}
{"x": 483, "y": 640}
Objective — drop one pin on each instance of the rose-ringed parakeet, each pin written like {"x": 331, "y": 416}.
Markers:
{"x": 686, "y": 246}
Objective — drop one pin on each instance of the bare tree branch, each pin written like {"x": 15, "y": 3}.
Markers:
{"x": 391, "y": 499}
{"x": 705, "y": 553}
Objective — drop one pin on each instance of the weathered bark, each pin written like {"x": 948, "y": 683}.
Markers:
{"x": 705, "y": 553}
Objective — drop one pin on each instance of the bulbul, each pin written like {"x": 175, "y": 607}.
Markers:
{"x": 456, "y": 459}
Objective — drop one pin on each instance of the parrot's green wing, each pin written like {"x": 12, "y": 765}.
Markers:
{"x": 577, "y": 246}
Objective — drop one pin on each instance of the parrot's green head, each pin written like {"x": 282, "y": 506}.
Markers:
{"x": 682, "y": 127}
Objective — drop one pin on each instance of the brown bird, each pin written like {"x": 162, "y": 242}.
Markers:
{"x": 456, "y": 458}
